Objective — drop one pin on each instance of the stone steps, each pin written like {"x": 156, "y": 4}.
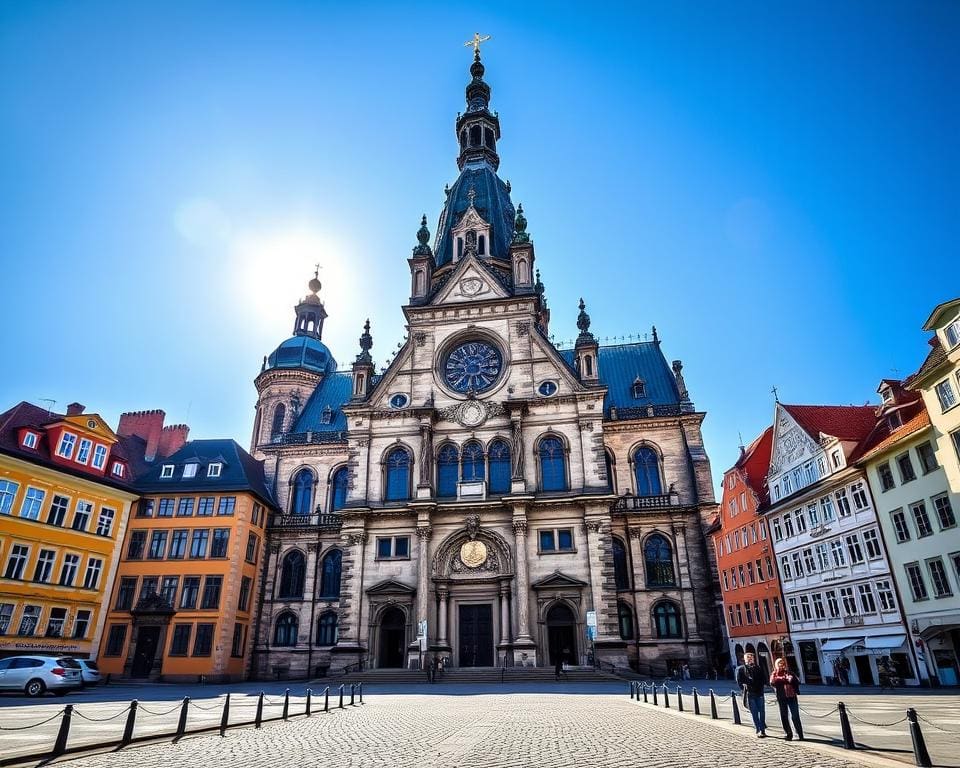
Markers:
{"x": 468, "y": 675}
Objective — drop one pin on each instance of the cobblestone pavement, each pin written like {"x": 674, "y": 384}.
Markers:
{"x": 446, "y": 725}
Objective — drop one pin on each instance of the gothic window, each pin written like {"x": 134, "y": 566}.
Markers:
{"x": 609, "y": 464}
{"x": 398, "y": 475}
{"x": 666, "y": 619}
{"x": 302, "y": 496}
{"x": 326, "y": 416}
{"x": 553, "y": 475}
{"x": 330, "y": 575}
{"x": 646, "y": 467}
{"x": 481, "y": 245}
{"x": 472, "y": 461}
{"x": 338, "y": 489}
{"x": 488, "y": 136}
{"x": 292, "y": 573}
{"x": 625, "y": 621}
{"x": 447, "y": 471}
{"x": 639, "y": 388}
{"x": 499, "y": 457}
{"x": 475, "y": 135}
{"x": 621, "y": 573}
{"x": 327, "y": 628}
{"x": 588, "y": 365}
{"x": 658, "y": 561}
{"x": 463, "y": 139}
{"x": 285, "y": 630}
{"x": 276, "y": 431}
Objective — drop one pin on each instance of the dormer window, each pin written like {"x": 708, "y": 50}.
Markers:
{"x": 99, "y": 456}
{"x": 83, "y": 452}
{"x": 887, "y": 394}
{"x": 894, "y": 420}
{"x": 67, "y": 444}
{"x": 638, "y": 389}
{"x": 213, "y": 470}
{"x": 952, "y": 334}
{"x": 327, "y": 415}
{"x": 189, "y": 470}
{"x": 117, "y": 469}
{"x": 166, "y": 471}
{"x": 29, "y": 439}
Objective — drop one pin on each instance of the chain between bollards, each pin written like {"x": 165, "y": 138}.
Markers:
{"x": 306, "y": 711}
{"x": 848, "y": 742}
{"x": 920, "y": 755}
{"x": 182, "y": 722}
{"x": 696, "y": 702}
{"x": 225, "y": 716}
{"x": 63, "y": 734}
{"x": 736, "y": 708}
{"x": 131, "y": 722}
{"x": 258, "y": 718}
{"x": 713, "y": 706}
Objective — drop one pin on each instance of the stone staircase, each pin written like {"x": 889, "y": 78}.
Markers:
{"x": 468, "y": 675}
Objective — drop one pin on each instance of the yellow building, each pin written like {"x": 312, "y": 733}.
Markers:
{"x": 65, "y": 495}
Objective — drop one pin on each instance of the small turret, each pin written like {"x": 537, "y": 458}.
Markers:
{"x": 586, "y": 348}
{"x": 521, "y": 255}
{"x": 421, "y": 265}
{"x": 363, "y": 366}
{"x": 310, "y": 312}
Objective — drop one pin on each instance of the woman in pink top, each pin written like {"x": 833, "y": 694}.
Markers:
{"x": 787, "y": 686}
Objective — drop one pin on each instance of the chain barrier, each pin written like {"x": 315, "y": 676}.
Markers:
{"x": 217, "y": 705}
{"x": 82, "y": 716}
{"x": 272, "y": 703}
{"x": 814, "y": 714}
{"x": 35, "y": 725}
{"x": 929, "y": 722}
{"x": 875, "y": 725}
{"x": 161, "y": 714}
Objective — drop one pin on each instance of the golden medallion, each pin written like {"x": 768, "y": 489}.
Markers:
{"x": 473, "y": 553}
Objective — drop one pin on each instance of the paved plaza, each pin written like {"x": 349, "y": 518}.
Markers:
{"x": 460, "y": 726}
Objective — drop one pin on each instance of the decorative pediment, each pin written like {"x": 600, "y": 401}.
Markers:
{"x": 471, "y": 219}
{"x": 391, "y": 587}
{"x": 470, "y": 281}
{"x": 791, "y": 443}
{"x": 91, "y": 423}
{"x": 558, "y": 580}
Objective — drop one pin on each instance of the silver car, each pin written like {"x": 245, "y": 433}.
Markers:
{"x": 89, "y": 671}
{"x": 35, "y": 675}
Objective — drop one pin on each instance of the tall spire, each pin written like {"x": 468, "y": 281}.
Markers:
{"x": 478, "y": 129}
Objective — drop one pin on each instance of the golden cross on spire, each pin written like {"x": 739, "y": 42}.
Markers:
{"x": 476, "y": 42}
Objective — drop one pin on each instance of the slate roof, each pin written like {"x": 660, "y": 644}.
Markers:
{"x": 240, "y": 471}
{"x": 492, "y": 202}
{"x": 334, "y": 390}
{"x": 302, "y": 352}
{"x": 846, "y": 422}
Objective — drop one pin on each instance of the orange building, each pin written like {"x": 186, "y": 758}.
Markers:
{"x": 749, "y": 581}
{"x": 65, "y": 495}
{"x": 185, "y": 595}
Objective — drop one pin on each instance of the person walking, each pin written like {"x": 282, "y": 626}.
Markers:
{"x": 751, "y": 680}
{"x": 787, "y": 686}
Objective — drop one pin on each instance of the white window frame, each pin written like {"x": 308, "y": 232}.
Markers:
{"x": 32, "y": 503}
{"x": 117, "y": 469}
{"x": 30, "y": 439}
{"x": 189, "y": 470}
{"x": 166, "y": 471}
{"x": 84, "y": 449}
{"x": 68, "y": 444}
{"x": 99, "y": 456}
{"x": 214, "y": 469}
{"x": 945, "y": 394}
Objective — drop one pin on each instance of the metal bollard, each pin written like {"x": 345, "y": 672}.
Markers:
{"x": 353, "y": 691}
{"x": 341, "y": 695}
{"x": 696, "y": 702}
{"x": 258, "y": 718}
{"x": 286, "y": 704}
{"x": 632, "y": 686}
{"x": 666, "y": 696}
{"x": 679, "y": 699}
{"x": 644, "y": 692}
{"x": 182, "y": 722}
{"x": 654, "y": 686}
{"x": 713, "y": 706}
{"x": 920, "y": 755}
{"x": 360, "y": 691}
{"x": 131, "y": 722}
{"x": 61, "y": 744}
{"x": 848, "y": 742}
{"x": 225, "y": 716}
{"x": 326, "y": 699}
{"x": 736, "y": 708}
{"x": 307, "y": 710}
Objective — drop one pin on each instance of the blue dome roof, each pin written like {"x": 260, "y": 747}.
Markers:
{"x": 302, "y": 352}
{"x": 492, "y": 201}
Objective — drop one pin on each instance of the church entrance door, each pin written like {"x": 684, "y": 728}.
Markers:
{"x": 393, "y": 638}
{"x": 476, "y": 635}
{"x": 562, "y": 635}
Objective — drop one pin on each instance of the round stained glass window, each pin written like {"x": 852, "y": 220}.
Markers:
{"x": 472, "y": 366}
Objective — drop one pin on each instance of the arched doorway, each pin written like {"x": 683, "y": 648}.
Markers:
{"x": 562, "y": 634}
{"x": 393, "y": 638}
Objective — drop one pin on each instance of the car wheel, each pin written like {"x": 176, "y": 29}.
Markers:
{"x": 35, "y": 688}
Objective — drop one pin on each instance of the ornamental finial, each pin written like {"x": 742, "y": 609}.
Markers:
{"x": 475, "y": 42}
{"x": 583, "y": 321}
{"x": 520, "y": 234}
{"x": 366, "y": 343}
{"x": 423, "y": 238}
{"x": 314, "y": 283}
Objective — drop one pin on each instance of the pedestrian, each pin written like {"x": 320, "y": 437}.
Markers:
{"x": 751, "y": 680}
{"x": 558, "y": 663}
{"x": 787, "y": 686}
{"x": 686, "y": 671}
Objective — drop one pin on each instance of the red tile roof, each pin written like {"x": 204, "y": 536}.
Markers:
{"x": 915, "y": 418}
{"x": 846, "y": 422}
{"x": 755, "y": 462}
{"x": 935, "y": 357}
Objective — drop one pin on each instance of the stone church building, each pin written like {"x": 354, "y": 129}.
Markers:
{"x": 487, "y": 498}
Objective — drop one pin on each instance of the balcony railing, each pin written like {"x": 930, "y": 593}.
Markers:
{"x": 646, "y": 503}
{"x": 316, "y": 520}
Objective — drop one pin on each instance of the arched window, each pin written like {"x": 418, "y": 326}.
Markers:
{"x": 285, "y": 631}
{"x": 276, "y": 431}
{"x": 611, "y": 485}
{"x": 302, "y": 497}
{"x": 327, "y": 628}
{"x": 330, "y": 575}
{"x": 646, "y": 467}
{"x": 338, "y": 489}
{"x": 292, "y": 573}
{"x": 625, "y": 621}
{"x": 476, "y": 134}
{"x": 448, "y": 468}
{"x": 553, "y": 475}
{"x": 473, "y": 469}
{"x": 589, "y": 365}
{"x": 666, "y": 619}
{"x": 481, "y": 245}
{"x": 621, "y": 573}
{"x": 658, "y": 561}
{"x": 499, "y": 458}
{"x": 398, "y": 475}
{"x": 489, "y": 138}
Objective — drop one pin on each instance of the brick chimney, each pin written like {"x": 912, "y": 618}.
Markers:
{"x": 147, "y": 425}
{"x": 75, "y": 409}
{"x": 172, "y": 439}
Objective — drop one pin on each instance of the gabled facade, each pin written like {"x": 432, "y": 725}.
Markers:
{"x": 445, "y": 493}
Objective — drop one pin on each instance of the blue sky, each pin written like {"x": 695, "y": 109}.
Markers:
{"x": 775, "y": 186}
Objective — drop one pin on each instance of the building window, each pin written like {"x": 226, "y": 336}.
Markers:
{"x": 213, "y": 470}
{"x": 165, "y": 508}
{"x": 189, "y": 470}
{"x": 638, "y": 389}
{"x": 843, "y": 503}
{"x": 220, "y": 543}
{"x": 826, "y": 509}
{"x": 905, "y": 466}
{"x": 145, "y": 508}
{"x": 952, "y": 334}
{"x": 68, "y": 571}
{"x": 809, "y": 565}
{"x": 327, "y": 628}
{"x": 276, "y": 429}
{"x": 301, "y": 500}
{"x": 872, "y": 542}
{"x": 886, "y": 477}
{"x": 666, "y": 618}
{"x": 472, "y": 463}
{"x": 848, "y": 601}
{"x": 885, "y": 596}
{"x": 447, "y": 467}
{"x": 944, "y": 509}
{"x": 8, "y": 491}
{"x": 556, "y": 540}
{"x": 646, "y": 466}
{"x": 553, "y": 473}
{"x": 658, "y": 561}
{"x": 83, "y": 452}
{"x": 338, "y": 494}
{"x": 158, "y": 545}
{"x": 198, "y": 543}
{"x": 227, "y": 506}
{"x": 928, "y": 459}
{"x": 859, "y": 496}
{"x": 393, "y": 548}
{"x": 922, "y": 519}
{"x": 185, "y": 507}
{"x": 285, "y": 631}
{"x": 243, "y": 599}
{"x": 777, "y": 530}
{"x": 800, "y": 520}
{"x": 918, "y": 586}
{"x": 205, "y": 506}
{"x": 621, "y": 571}
{"x": 168, "y": 589}
{"x": 211, "y": 592}
{"x": 398, "y": 475}
{"x": 81, "y": 516}
{"x": 900, "y": 526}
{"x": 91, "y": 578}
{"x": 29, "y": 439}
{"x": 29, "y": 620}
{"x": 813, "y": 515}
{"x": 203, "y": 642}
{"x": 236, "y": 646}
{"x": 32, "y": 501}
{"x": 116, "y": 639}
{"x": 500, "y": 469}
{"x": 797, "y": 565}
{"x": 818, "y": 610}
{"x": 180, "y": 643}
{"x": 190, "y": 592}
{"x": 105, "y": 522}
{"x": 938, "y": 577}
{"x": 854, "y": 549}
{"x": 44, "y": 567}
{"x": 117, "y": 469}
{"x": 292, "y": 575}
{"x": 138, "y": 540}
{"x": 125, "y": 593}
{"x": 166, "y": 471}
{"x": 330, "y": 575}
{"x": 81, "y": 624}
{"x": 867, "y": 603}
{"x": 946, "y": 395}
{"x": 253, "y": 542}
{"x": 625, "y": 620}
{"x": 67, "y": 443}
{"x": 148, "y": 587}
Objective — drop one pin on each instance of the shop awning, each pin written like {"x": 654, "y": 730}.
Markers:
{"x": 840, "y": 644}
{"x": 884, "y": 642}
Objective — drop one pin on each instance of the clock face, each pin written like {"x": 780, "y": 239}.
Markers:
{"x": 472, "y": 366}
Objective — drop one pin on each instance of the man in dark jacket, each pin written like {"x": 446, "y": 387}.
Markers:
{"x": 751, "y": 680}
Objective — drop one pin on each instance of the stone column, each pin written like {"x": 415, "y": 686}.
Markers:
{"x": 348, "y": 649}
{"x": 444, "y": 594}
{"x": 423, "y": 567}
{"x": 607, "y": 645}
{"x": 524, "y": 647}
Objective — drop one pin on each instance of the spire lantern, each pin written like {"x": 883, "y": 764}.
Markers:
{"x": 478, "y": 130}
{"x": 310, "y": 312}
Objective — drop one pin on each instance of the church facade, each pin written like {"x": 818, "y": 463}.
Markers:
{"x": 487, "y": 498}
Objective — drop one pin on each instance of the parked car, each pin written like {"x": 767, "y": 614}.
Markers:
{"x": 89, "y": 671}
{"x": 34, "y": 675}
